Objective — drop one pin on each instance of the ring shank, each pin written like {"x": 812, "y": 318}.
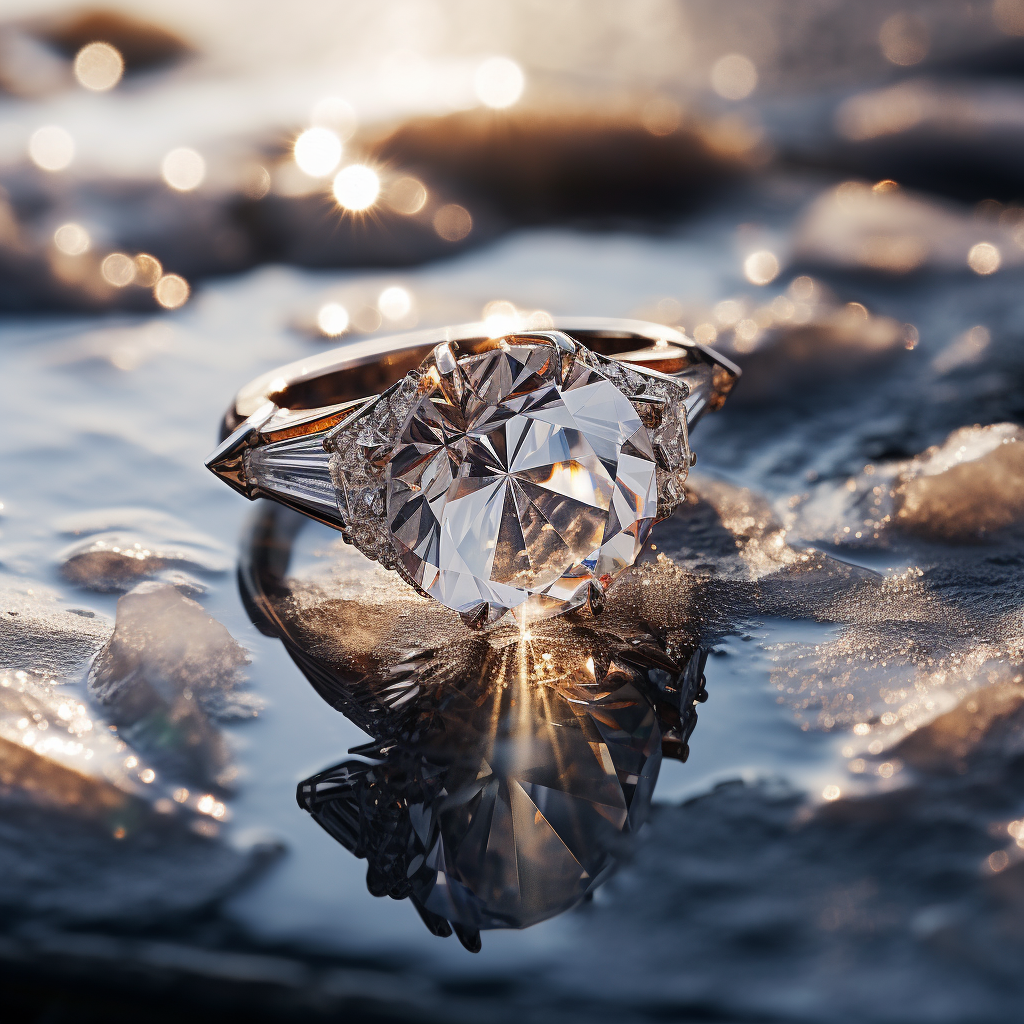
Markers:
{"x": 363, "y": 368}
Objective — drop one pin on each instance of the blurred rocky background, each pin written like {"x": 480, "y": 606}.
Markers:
{"x": 831, "y": 192}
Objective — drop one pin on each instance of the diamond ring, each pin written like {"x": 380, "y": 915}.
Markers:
{"x": 519, "y": 474}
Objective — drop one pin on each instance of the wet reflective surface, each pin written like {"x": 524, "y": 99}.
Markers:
{"x": 845, "y": 837}
{"x": 505, "y": 765}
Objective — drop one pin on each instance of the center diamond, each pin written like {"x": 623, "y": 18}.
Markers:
{"x": 510, "y": 489}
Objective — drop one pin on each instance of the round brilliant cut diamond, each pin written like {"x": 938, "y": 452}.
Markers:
{"x": 511, "y": 488}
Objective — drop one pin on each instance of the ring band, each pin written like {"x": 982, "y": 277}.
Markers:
{"x": 520, "y": 473}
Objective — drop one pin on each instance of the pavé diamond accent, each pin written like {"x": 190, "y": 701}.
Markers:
{"x": 510, "y": 488}
{"x": 362, "y": 444}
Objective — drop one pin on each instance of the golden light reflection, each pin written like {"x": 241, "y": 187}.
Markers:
{"x": 183, "y": 169}
{"x": 318, "y": 152}
{"x": 500, "y": 318}
{"x": 98, "y": 66}
{"x": 256, "y": 182}
{"x": 118, "y": 269}
{"x": 803, "y": 288}
{"x": 705, "y": 334}
{"x": 148, "y": 270}
{"x": 783, "y": 308}
{"x": 904, "y": 39}
{"x": 147, "y": 775}
{"x": 332, "y": 319}
{"x": 395, "y": 303}
{"x": 746, "y": 336}
{"x": 761, "y": 267}
{"x": 51, "y": 148}
{"x": 207, "y": 804}
{"x": 831, "y": 793}
{"x": 984, "y": 258}
{"x": 499, "y": 82}
{"x": 356, "y": 187}
{"x": 171, "y": 291}
{"x": 453, "y": 222}
{"x": 998, "y": 860}
{"x": 728, "y": 312}
{"x": 72, "y": 239}
{"x": 406, "y": 196}
{"x": 734, "y": 76}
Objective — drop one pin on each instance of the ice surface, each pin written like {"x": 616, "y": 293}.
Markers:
{"x": 745, "y": 900}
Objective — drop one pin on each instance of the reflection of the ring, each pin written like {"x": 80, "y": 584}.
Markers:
{"x": 505, "y": 766}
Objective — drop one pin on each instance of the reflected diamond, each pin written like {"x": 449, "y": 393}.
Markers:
{"x": 512, "y": 489}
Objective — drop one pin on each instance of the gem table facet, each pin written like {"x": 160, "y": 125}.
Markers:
{"x": 514, "y": 490}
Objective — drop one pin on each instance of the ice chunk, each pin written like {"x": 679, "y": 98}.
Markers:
{"x": 88, "y": 831}
{"x": 965, "y": 489}
{"x": 168, "y": 674}
{"x": 968, "y": 489}
{"x": 37, "y": 631}
{"x": 894, "y": 231}
{"x": 122, "y": 546}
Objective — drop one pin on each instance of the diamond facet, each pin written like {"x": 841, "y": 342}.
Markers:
{"x": 513, "y": 488}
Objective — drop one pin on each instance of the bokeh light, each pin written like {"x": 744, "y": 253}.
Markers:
{"x": 734, "y": 76}
{"x": 761, "y": 267}
{"x": 406, "y": 196}
{"x": 904, "y": 39}
{"x": 318, "y": 151}
{"x": 118, "y": 269}
{"x": 98, "y": 66}
{"x": 661, "y": 116}
{"x": 72, "y": 239}
{"x": 500, "y": 317}
{"x": 171, "y": 291}
{"x": 984, "y": 258}
{"x": 356, "y": 187}
{"x": 728, "y": 312}
{"x": 51, "y": 148}
{"x": 499, "y": 82}
{"x": 183, "y": 169}
{"x": 453, "y": 222}
{"x": 148, "y": 270}
{"x": 332, "y": 319}
{"x": 394, "y": 303}
{"x": 255, "y": 182}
